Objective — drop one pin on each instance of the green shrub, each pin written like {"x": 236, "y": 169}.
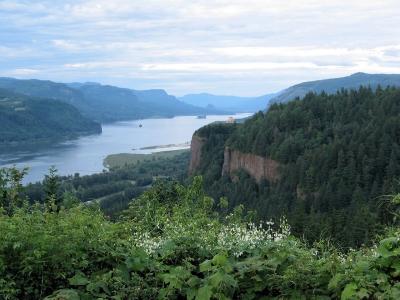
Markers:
{"x": 171, "y": 244}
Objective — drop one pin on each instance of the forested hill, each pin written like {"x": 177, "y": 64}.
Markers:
{"x": 105, "y": 103}
{"x": 26, "y": 119}
{"x": 337, "y": 155}
{"x": 110, "y": 103}
{"x": 333, "y": 85}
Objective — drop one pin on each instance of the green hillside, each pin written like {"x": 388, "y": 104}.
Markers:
{"x": 26, "y": 119}
{"x": 337, "y": 153}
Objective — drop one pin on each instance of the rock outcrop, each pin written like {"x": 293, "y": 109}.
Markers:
{"x": 195, "y": 148}
{"x": 257, "y": 166}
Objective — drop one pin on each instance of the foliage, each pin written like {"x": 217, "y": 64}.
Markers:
{"x": 11, "y": 189}
{"x": 212, "y": 152}
{"x": 172, "y": 244}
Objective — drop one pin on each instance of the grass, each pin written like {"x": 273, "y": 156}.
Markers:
{"x": 124, "y": 159}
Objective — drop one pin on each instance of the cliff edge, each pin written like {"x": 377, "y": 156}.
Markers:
{"x": 195, "y": 149}
{"x": 257, "y": 166}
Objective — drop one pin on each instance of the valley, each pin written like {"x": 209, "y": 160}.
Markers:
{"x": 259, "y": 196}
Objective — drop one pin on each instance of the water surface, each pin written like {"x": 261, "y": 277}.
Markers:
{"x": 85, "y": 155}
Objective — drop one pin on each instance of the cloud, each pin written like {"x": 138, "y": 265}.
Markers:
{"x": 234, "y": 47}
{"x": 23, "y": 72}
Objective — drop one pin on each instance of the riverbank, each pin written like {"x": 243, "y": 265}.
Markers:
{"x": 181, "y": 145}
{"x": 113, "y": 161}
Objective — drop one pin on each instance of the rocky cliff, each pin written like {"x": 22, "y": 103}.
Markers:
{"x": 195, "y": 148}
{"x": 257, "y": 166}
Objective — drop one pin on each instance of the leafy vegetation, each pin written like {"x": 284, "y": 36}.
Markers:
{"x": 172, "y": 244}
{"x": 27, "y": 119}
{"x": 338, "y": 155}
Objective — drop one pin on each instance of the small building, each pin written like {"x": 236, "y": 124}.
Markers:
{"x": 231, "y": 120}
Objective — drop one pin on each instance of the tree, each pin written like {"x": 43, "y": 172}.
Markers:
{"x": 51, "y": 185}
{"x": 11, "y": 188}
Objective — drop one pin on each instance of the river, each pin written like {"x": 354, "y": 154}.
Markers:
{"x": 85, "y": 155}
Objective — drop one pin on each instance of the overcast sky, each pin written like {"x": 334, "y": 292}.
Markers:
{"x": 250, "y": 47}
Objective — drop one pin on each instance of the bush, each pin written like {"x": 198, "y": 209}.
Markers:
{"x": 171, "y": 244}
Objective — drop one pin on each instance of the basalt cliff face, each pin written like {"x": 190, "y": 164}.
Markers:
{"x": 195, "y": 148}
{"x": 257, "y": 166}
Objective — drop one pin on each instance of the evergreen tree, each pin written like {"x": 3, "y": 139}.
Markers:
{"x": 51, "y": 185}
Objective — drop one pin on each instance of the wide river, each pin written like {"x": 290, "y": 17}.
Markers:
{"x": 85, "y": 155}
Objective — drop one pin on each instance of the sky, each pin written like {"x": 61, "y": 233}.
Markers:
{"x": 244, "y": 48}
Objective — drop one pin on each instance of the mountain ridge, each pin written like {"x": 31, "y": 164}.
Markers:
{"x": 106, "y": 103}
{"x": 332, "y": 85}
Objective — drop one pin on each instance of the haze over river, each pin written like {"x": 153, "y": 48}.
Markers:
{"x": 85, "y": 155}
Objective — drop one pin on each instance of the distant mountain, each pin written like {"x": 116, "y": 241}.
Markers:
{"x": 228, "y": 103}
{"x": 110, "y": 103}
{"x": 46, "y": 89}
{"x": 106, "y": 103}
{"x": 331, "y": 86}
{"x": 77, "y": 85}
{"x": 26, "y": 119}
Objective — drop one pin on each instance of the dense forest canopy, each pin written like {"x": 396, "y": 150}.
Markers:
{"x": 338, "y": 154}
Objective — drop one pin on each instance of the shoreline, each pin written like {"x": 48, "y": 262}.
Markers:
{"x": 124, "y": 159}
{"x": 185, "y": 144}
